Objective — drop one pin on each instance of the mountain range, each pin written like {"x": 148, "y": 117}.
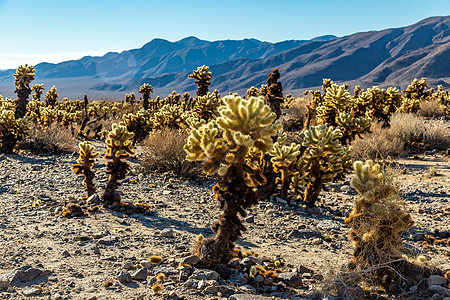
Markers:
{"x": 391, "y": 57}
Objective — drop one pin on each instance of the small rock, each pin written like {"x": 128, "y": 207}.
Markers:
{"x": 108, "y": 240}
{"x": 251, "y": 260}
{"x": 57, "y": 296}
{"x": 166, "y": 192}
{"x": 259, "y": 279}
{"x": 204, "y": 274}
{"x": 167, "y": 232}
{"x": 281, "y": 201}
{"x": 124, "y": 277}
{"x": 128, "y": 266}
{"x": 65, "y": 253}
{"x": 234, "y": 263}
{"x": 31, "y": 291}
{"x": 268, "y": 281}
{"x": 146, "y": 264}
{"x": 140, "y": 274}
{"x": 248, "y": 297}
{"x": 202, "y": 284}
{"x": 291, "y": 278}
{"x": 190, "y": 260}
{"x": 440, "y": 290}
{"x": 21, "y": 275}
{"x": 436, "y": 280}
{"x": 98, "y": 235}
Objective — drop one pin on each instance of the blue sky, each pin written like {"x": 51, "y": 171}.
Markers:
{"x": 34, "y": 31}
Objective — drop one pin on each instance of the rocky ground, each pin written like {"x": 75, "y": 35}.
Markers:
{"x": 107, "y": 255}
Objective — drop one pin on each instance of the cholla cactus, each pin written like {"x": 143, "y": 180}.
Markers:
{"x": 12, "y": 129}
{"x": 252, "y": 92}
{"x": 38, "y": 91}
{"x": 377, "y": 220}
{"x": 119, "y": 148}
{"x": 224, "y": 144}
{"x": 84, "y": 166}
{"x": 274, "y": 94}
{"x": 324, "y": 158}
{"x": 284, "y": 161}
{"x": 203, "y": 79}
{"x": 416, "y": 90}
{"x": 130, "y": 98}
{"x": 409, "y": 106}
{"x": 146, "y": 90}
{"x": 139, "y": 123}
{"x": 171, "y": 116}
{"x": 336, "y": 111}
{"x": 206, "y": 107}
{"x": 51, "y": 97}
{"x": 22, "y": 79}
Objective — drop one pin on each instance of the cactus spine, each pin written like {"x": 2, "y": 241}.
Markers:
{"x": 224, "y": 144}
{"x": 84, "y": 166}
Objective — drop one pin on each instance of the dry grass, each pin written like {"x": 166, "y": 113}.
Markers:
{"x": 408, "y": 134}
{"x": 431, "y": 109}
{"x": 55, "y": 139}
{"x": 163, "y": 151}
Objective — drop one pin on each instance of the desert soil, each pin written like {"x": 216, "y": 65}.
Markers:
{"x": 82, "y": 254}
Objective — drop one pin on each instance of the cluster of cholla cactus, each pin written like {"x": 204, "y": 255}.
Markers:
{"x": 224, "y": 145}
{"x": 417, "y": 90}
{"x": 337, "y": 110}
{"x": 51, "y": 97}
{"x": 130, "y": 98}
{"x": 84, "y": 166}
{"x": 170, "y": 116}
{"x": 119, "y": 148}
{"x": 22, "y": 79}
{"x": 38, "y": 91}
{"x": 377, "y": 220}
{"x": 12, "y": 129}
{"x": 253, "y": 92}
{"x": 274, "y": 95}
{"x": 322, "y": 160}
{"x": 146, "y": 90}
{"x": 139, "y": 123}
{"x": 202, "y": 78}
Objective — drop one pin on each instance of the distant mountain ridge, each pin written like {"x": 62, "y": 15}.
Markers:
{"x": 391, "y": 57}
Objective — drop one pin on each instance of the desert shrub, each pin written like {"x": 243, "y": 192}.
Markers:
{"x": 297, "y": 112}
{"x": 163, "y": 152}
{"x": 431, "y": 109}
{"x": 408, "y": 134}
{"x": 55, "y": 139}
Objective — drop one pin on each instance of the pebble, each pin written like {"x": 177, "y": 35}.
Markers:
{"x": 204, "y": 274}
{"x": 31, "y": 291}
{"x": 108, "y": 240}
{"x": 291, "y": 279}
{"x": 65, "y": 253}
{"x": 124, "y": 277}
{"x": 440, "y": 290}
{"x": 189, "y": 260}
{"x": 167, "y": 232}
{"x": 436, "y": 280}
{"x": 140, "y": 274}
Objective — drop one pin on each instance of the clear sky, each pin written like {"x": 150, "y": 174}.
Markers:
{"x": 34, "y": 31}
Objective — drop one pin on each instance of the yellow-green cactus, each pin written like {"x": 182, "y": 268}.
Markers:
{"x": 140, "y": 123}
{"x": 119, "y": 147}
{"x": 146, "y": 90}
{"x": 51, "y": 97}
{"x": 206, "y": 107}
{"x": 22, "y": 79}
{"x": 130, "y": 98}
{"x": 203, "y": 79}
{"x": 323, "y": 159}
{"x": 409, "y": 106}
{"x": 417, "y": 90}
{"x": 377, "y": 220}
{"x": 38, "y": 91}
{"x": 252, "y": 92}
{"x": 12, "y": 129}
{"x": 284, "y": 161}
{"x": 84, "y": 166}
{"x": 171, "y": 116}
{"x": 224, "y": 145}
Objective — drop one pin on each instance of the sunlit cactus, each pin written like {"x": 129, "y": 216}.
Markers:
{"x": 38, "y": 91}
{"x": 146, "y": 90}
{"x": 119, "y": 147}
{"x": 206, "y": 107}
{"x": 322, "y": 160}
{"x": 51, "y": 97}
{"x": 171, "y": 116}
{"x": 263, "y": 90}
{"x": 224, "y": 144}
{"x": 274, "y": 94}
{"x": 84, "y": 166}
{"x": 203, "y": 79}
{"x": 22, "y": 79}
{"x": 377, "y": 220}
{"x": 130, "y": 98}
{"x": 284, "y": 161}
{"x": 409, "y": 106}
{"x": 12, "y": 129}
{"x": 138, "y": 123}
{"x": 252, "y": 92}
{"x": 417, "y": 90}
